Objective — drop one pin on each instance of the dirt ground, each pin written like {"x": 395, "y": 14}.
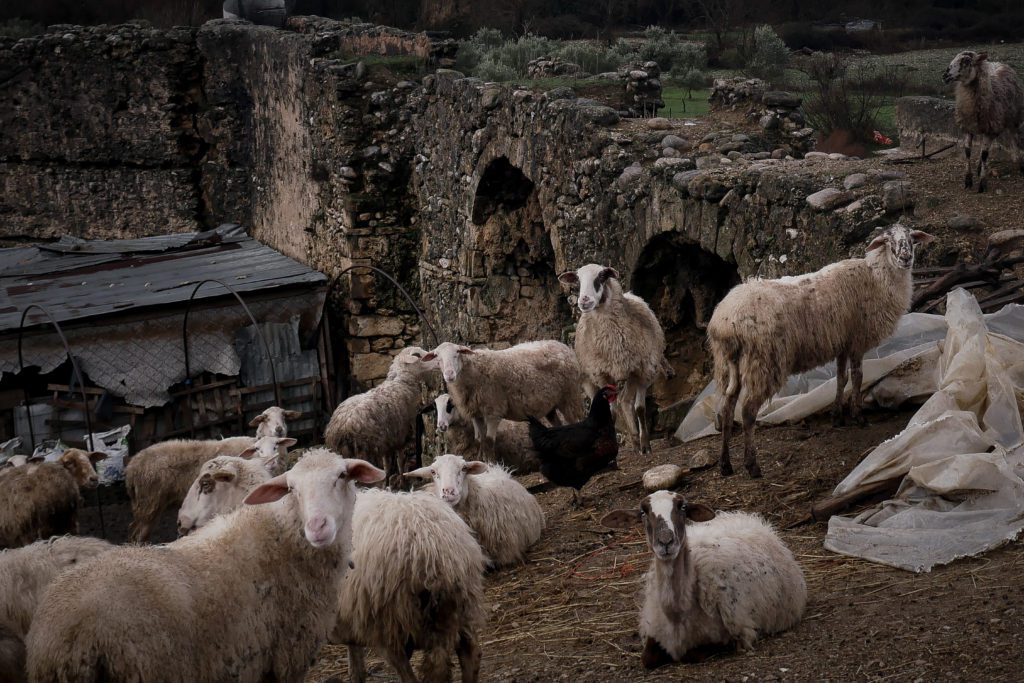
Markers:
{"x": 570, "y": 613}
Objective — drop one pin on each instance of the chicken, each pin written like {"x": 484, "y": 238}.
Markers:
{"x": 571, "y": 454}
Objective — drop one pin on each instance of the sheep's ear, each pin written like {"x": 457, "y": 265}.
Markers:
{"x": 465, "y": 349}
{"x": 921, "y": 237}
{"x": 621, "y": 519}
{"x": 474, "y": 467}
{"x": 363, "y": 472}
{"x": 609, "y": 273}
{"x": 249, "y": 452}
{"x": 292, "y": 414}
{"x": 224, "y": 475}
{"x": 268, "y": 492}
{"x": 287, "y": 442}
{"x": 96, "y": 456}
{"x": 421, "y": 473}
{"x": 982, "y": 56}
{"x": 569, "y": 277}
{"x": 258, "y": 420}
{"x": 878, "y": 242}
{"x": 429, "y": 356}
{"x": 697, "y": 512}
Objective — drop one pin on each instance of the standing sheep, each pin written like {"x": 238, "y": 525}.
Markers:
{"x": 540, "y": 378}
{"x": 42, "y": 499}
{"x": 274, "y": 421}
{"x": 728, "y": 580}
{"x": 159, "y": 476}
{"x": 765, "y": 330}
{"x": 249, "y": 598}
{"x": 513, "y": 447}
{"x": 618, "y": 340}
{"x": 506, "y": 518}
{"x": 989, "y": 100}
{"x": 24, "y": 574}
{"x": 378, "y": 423}
{"x": 222, "y": 485}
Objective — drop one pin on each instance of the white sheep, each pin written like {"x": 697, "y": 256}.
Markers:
{"x": 24, "y": 574}
{"x": 274, "y": 421}
{"x": 251, "y": 597}
{"x": 158, "y": 477}
{"x": 989, "y": 100}
{"x": 506, "y": 518}
{"x": 725, "y": 581}
{"x": 538, "y": 379}
{"x": 618, "y": 341}
{"x": 42, "y": 499}
{"x": 222, "y": 485}
{"x": 417, "y": 584}
{"x": 378, "y": 423}
{"x": 513, "y": 447}
{"x": 765, "y": 330}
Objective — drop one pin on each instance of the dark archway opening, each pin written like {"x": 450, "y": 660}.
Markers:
{"x": 682, "y": 283}
{"x": 502, "y": 188}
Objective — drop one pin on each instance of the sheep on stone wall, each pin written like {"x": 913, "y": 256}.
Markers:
{"x": 989, "y": 100}
{"x": 765, "y": 330}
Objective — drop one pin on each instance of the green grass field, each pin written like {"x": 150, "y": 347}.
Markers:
{"x": 678, "y": 106}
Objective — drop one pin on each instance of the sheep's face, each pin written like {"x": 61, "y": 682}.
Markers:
{"x": 216, "y": 491}
{"x": 274, "y": 421}
{"x": 449, "y": 472}
{"x": 322, "y": 485}
{"x": 591, "y": 278}
{"x": 445, "y": 411}
{"x": 269, "y": 450}
{"x": 664, "y": 515}
{"x": 964, "y": 67}
{"x": 899, "y": 242}
{"x": 415, "y": 359}
{"x": 448, "y": 357}
{"x": 81, "y": 465}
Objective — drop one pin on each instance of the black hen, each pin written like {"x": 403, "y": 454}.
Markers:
{"x": 571, "y": 454}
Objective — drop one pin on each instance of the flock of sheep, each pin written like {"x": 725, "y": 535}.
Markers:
{"x": 271, "y": 564}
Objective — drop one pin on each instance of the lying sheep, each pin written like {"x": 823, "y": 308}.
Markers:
{"x": 765, "y": 330}
{"x": 22, "y": 460}
{"x": 512, "y": 446}
{"x": 159, "y": 476}
{"x": 41, "y": 500}
{"x": 274, "y": 421}
{"x": 540, "y": 378}
{"x": 989, "y": 100}
{"x": 378, "y": 423}
{"x": 728, "y": 580}
{"x": 404, "y": 547}
{"x": 506, "y": 518}
{"x": 618, "y": 340}
{"x": 24, "y": 574}
{"x": 251, "y": 597}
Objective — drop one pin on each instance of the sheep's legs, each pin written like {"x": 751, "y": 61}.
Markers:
{"x": 356, "y": 664}
{"x": 639, "y": 393}
{"x": 436, "y": 666}
{"x": 140, "y": 531}
{"x": 856, "y": 397}
{"x": 726, "y": 416}
{"x": 399, "y": 661}
{"x": 749, "y": 452}
{"x": 968, "y": 143}
{"x": 469, "y": 657}
{"x": 654, "y": 655}
{"x": 488, "y": 446}
{"x": 986, "y": 144}
{"x": 838, "y": 414}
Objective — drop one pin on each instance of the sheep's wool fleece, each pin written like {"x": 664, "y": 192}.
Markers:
{"x": 992, "y": 103}
{"x": 743, "y": 581}
{"x": 182, "y": 610}
{"x": 619, "y": 339}
{"x": 36, "y": 501}
{"x": 405, "y": 547}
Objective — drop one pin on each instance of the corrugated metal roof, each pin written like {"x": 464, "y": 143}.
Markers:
{"x": 82, "y": 279}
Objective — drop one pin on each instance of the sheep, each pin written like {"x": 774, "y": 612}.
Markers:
{"x": 24, "y": 574}
{"x": 513, "y": 446}
{"x": 618, "y": 340}
{"x": 417, "y": 584}
{"x": 250, "y": 597}
{"x": 989, "y": 100}
{"x": 765, "y": 330}
{"x": 378, "y": 423}
{"x": 540, "y": 378}
{"x": 404, "y": 547}
{"x": 221, "y": 486}
{"x": 506, "y": 518}
{"x": 41, "y": 500}
{"x": 159, "y": 476}
{"x": 274, "y": 421}
{"x": 22, "y": 460}
{"x": 726, "y": 580}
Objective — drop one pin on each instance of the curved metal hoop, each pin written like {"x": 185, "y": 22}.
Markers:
{"x": 334, "y": 281}
{"x": 263, "y": 339}
{"x": 81, "y": 387}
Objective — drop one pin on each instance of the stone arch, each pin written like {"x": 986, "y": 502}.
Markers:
{"x": 682, "y": 283}
{"x": 514, "y": 294}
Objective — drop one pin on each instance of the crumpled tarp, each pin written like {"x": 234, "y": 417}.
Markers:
{"x": 962, "y": 452}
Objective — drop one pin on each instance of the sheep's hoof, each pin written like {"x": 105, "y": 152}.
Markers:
{"x": 968, "y": 181}
{"x": 861, "y": 420}
{"x": 654, "y": 655}
{"x": 726, "y": 469}
{"x": 981, "y": 186}
{"x": 838, "y": 418}
{"x": 754, "y": 470}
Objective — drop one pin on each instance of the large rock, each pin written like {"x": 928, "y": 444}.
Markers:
{"x": 897, "y": 196}
{"x": 828, "y": 199}
{"x": 781, "y": 98}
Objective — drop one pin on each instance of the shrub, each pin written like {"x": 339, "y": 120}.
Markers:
{"x": 845, "y": 96}
{"x": 20, "y": 28}
{"x": 489, "y": 70}
{"x": 668, "y": 49}
{"x": 589, "y": 56}
{"x": 564, "y": 26}
{"x": 769, "y": 55}
{"x": 694, "y": 79}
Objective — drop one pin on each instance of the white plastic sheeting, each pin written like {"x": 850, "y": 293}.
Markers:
{"x": 962, "y": 454}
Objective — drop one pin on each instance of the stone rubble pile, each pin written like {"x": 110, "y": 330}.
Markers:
{"x": 548, "y": 67}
